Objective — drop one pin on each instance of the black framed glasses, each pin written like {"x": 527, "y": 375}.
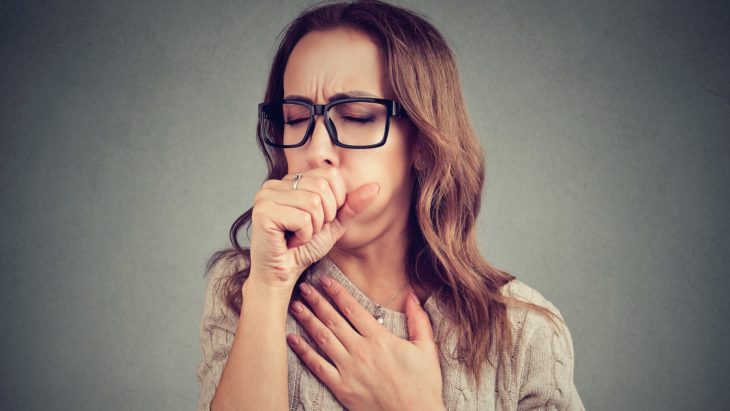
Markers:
{"x": 358, "y": 123}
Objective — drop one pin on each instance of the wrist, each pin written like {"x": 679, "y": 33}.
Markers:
{"x": 264, "y": 306}
{"x": 273, "y": 294}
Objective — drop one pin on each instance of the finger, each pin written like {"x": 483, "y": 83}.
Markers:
{"x": 306, "y": 201}
{"x": 363, "y": 321}
{"x": 320, "y": 185}
{"x": 330, "y": 317}
{"x": 323, "y": 336}
{"x": 333, "y": 178}
{"x": 357, "y": 201}
{"x": 325, "y": 371}
{"x": 282, "y": 218}
{"x": 419, "y": 324}
{"x": 337, "y": 185}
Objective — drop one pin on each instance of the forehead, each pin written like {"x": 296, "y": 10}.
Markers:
{"x": 324, "y": 63}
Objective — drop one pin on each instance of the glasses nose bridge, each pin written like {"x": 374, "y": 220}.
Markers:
{"x": 320, "y": 110}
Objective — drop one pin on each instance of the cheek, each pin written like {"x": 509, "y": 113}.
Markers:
{"x": 398, "y": 163}
{"x": 294, "y": 161}
{"x": 388, "y": 165}
{"x": 391, "y": 171}
{"x": 382, "y": 166}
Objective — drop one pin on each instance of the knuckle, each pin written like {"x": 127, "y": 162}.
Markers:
{"x": 323, "y": 184}
{"x": 259, "y": 197}
{"x": 258, "y": 210}
{"x": 359, "y": 354}
{"x": 301, "y": 348}
{"x": 350, "y": 308}
{"x": 318, "y": 367}
{"x": 324, "y": 336}
{"x": 313, "y": 200}
{"x": 335, "y": 290}
{"x": 305, "y": 317}
{"x": 332, "y": 321}
{"x": 346, "y": 393}
{"x": 306, "y": 218}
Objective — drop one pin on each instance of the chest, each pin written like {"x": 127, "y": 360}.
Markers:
{"x": 308, "y": 393}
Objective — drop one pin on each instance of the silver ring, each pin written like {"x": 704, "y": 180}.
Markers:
{"x": 297, "y": 177}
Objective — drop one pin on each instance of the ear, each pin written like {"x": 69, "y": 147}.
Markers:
{"x": 420, "y": 164}
{"x": 416, "y": 157}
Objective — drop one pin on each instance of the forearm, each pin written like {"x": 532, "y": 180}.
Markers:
{"x": 255, "y": 375}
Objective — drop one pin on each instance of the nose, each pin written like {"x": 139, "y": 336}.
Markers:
{"x": 320, "y": 150}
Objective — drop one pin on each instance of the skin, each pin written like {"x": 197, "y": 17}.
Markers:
{"x": 373, "y": 250}
{"x": 373, "y": 369}
{"x": 353, "y": 205}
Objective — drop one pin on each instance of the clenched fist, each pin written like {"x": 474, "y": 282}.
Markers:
{"x": 292, "y": 229}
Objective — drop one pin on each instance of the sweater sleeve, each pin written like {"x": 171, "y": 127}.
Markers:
{"x": 547, "y": 380}
{"x": 217, "y": 328}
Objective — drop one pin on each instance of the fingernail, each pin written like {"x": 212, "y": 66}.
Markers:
{"x": 297, "y": 306}
{"x": 326, "y": 281}
{"x": 293, "y": 340}
{"x": 306, "y": 290}
{"x": 415, "y": 299}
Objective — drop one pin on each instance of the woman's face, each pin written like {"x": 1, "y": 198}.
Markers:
{"x": 324, "y": 63}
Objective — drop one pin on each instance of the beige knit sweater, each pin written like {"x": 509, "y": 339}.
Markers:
{"x": 538, "y": 375}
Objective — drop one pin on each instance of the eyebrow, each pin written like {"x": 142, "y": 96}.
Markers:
{"x": 335, "y": 97}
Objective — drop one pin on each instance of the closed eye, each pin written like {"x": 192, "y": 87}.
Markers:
{"x": 295, "y": 121}
{"x": 359, "y": 119}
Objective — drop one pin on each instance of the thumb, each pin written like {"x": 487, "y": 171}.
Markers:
{"x": 355, "y": 203}
{"x": 419, "y": 325}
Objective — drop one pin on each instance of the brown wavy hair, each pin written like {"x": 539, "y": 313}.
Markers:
{"x": 443, "y": 255}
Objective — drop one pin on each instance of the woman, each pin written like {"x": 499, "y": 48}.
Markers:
{"x": 367, "y": 217}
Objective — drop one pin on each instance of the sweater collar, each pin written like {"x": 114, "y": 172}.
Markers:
{"x": 393, "y": 320}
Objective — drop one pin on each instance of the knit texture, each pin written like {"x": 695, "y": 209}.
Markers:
{"x": 536, "y": 375}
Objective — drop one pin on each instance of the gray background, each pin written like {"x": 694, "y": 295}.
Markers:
{"x": 128, "y": 150}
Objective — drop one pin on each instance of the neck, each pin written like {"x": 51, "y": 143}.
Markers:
{"x": 378, "y": 268}
{"x": 378, "y": 276}
{"x": 379, "y": 271}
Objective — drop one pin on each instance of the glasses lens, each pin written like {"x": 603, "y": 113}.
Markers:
{"x": 285, "y": 123}
{"x": 359, "y": 123}
{"x": 355, "y": 123}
